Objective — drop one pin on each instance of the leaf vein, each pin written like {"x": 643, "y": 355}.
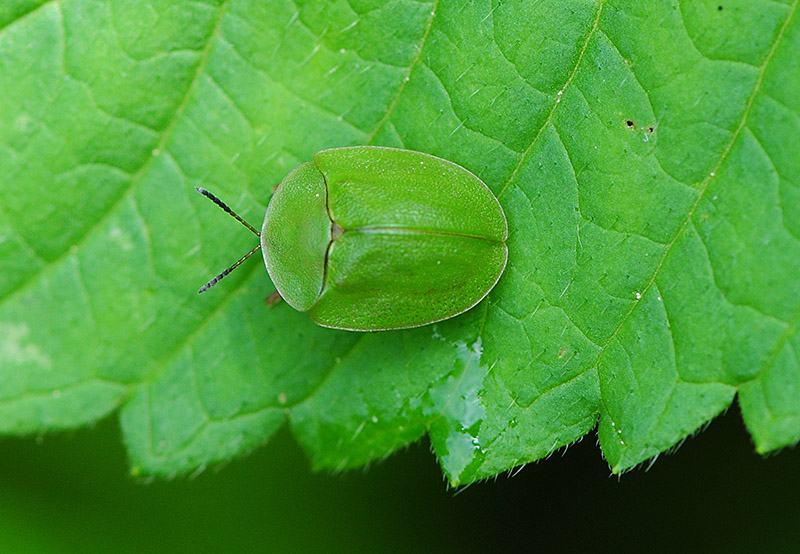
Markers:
{"x": 559, "y": 95}
{"x": 407, "y": 78}
{"x": 24, "y": 16}
{"x": 136, "y": 178}
{"x": 703, "y": 184}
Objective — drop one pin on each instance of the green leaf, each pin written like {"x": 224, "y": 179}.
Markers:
{"x": 645, "y": 155}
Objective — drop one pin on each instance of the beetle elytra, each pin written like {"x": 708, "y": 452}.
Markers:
{"x": 368, "y": 238}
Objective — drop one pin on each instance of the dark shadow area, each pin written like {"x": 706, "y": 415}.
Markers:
{"x": 71, "y": 493}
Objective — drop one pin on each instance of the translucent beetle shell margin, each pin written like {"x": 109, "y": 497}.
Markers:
{"x": 369, "y": 238}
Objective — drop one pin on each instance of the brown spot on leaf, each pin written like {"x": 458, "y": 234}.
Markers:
{"x": 273, "y": 299}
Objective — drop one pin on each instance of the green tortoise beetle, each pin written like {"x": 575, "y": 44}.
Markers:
{"x": 368, "y": 238}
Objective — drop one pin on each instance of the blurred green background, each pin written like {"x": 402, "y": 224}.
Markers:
{"x": 71, "y": 493}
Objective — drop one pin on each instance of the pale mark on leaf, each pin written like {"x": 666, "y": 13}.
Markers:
{"x": 16, "y": 349}
{"x": 122, "y": 238}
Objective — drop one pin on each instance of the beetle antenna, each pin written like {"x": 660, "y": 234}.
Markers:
{"x": 229, "y": 211}
{"x": 224, "y": 274}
